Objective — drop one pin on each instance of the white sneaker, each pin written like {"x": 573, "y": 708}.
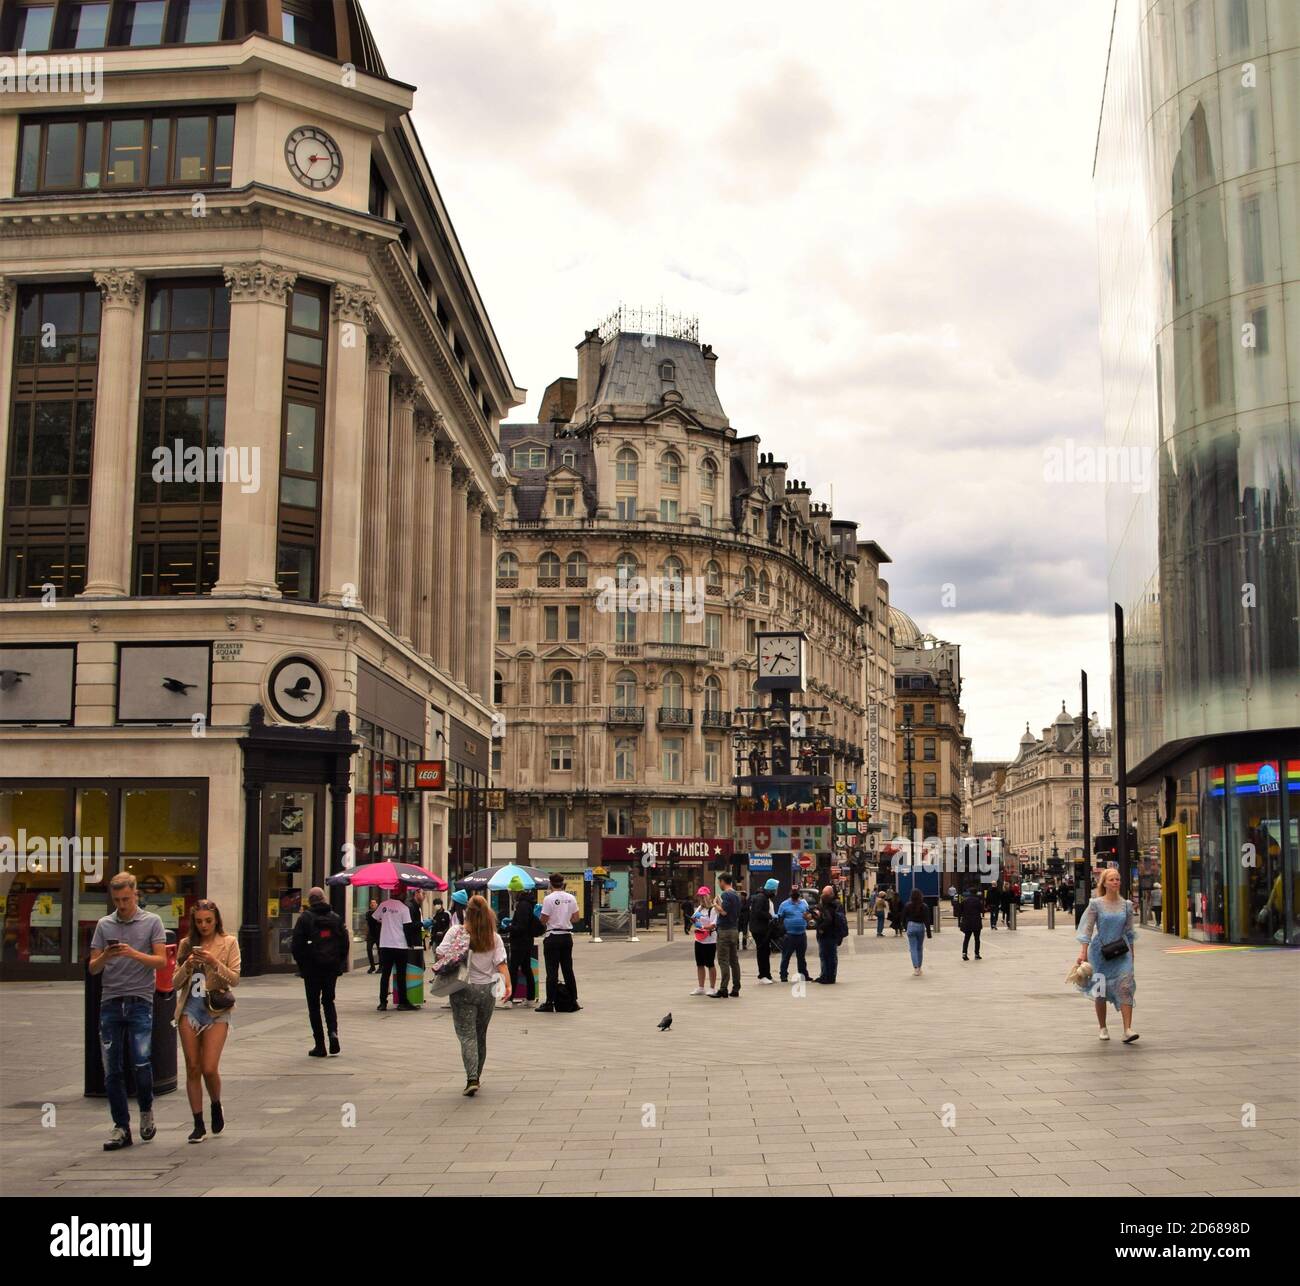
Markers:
{"x": 916, "y": 973}
{"x": 714, "y": 992}
{"x": 766, "y": 982}
{"x": 699, "y": 991}
{"x": 1103, "y": 1034}
{"x": 1130, "y": 1036}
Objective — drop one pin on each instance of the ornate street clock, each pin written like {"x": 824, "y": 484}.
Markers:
{"x": 781, "y": 661}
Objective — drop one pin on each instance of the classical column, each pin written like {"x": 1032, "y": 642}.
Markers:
{"x": 458, "y": 597}
{"x": 401, "y": 500}
{"x": 7, "y": 320}
{"x": 442, "y": 617}
{"x": 381, "y": 355}
{"x": 344, "y": 462}
{"x": 473, "y": 623}
{"x": 424, "y": 554}
{"x": 109, "y": 547}
{"x": 254, "y": 404}
{"x": 486, "y": 597}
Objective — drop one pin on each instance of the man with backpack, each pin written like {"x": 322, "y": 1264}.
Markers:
{"x": 559, "y": 911}
{"x": 832, "y": 928}
{"x": 320, "y": 950}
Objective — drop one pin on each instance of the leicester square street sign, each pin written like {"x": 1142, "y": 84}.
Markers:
{"x": 633, "y": 848}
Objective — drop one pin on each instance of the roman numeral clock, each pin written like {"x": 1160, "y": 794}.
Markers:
{"x": 781, "y": 661}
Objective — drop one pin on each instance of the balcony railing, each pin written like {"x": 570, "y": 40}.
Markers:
{"x": 715, "y": 719}
{"x": 675, "y": 651}
{"x": 507, "y": 582}
{"x": 626, "y": 715}
{"x": 627, "y": 649}
{"x": 675, "y": 717}
{"x": 713, "y": 591}
{"x": 548, "y": 582}
{"x": 576, "y": 582}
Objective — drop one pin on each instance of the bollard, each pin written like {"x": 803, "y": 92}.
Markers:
{"x": 1051, "y": 915}
{"x": 938, "y": 914}
{"x": 595, "y": 914}
{"x": 1015, "y": 911}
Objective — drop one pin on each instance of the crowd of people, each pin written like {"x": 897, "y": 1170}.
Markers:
{"x": 478, "y": 969}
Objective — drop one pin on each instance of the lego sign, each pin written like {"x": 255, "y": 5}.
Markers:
{"x": 431, "y": 774}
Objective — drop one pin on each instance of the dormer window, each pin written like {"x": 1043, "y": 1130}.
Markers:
{"x": 569, "y": 459}
{"x": 529, "y": 457}
{"x": 668, "y": 374}
{"x": 564, "y": 503}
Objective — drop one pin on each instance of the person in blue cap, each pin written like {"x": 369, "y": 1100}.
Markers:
{"x": 459, "y": 901}
{"x": 762, "y": 904}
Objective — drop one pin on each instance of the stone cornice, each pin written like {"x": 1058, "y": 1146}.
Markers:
{"x": 257, "y": 281}
{"x": 120, "y": 287}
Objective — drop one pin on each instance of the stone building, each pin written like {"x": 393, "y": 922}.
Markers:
{"x": 927, "y": 686}
{"x": 616, "y": 715}
{"x": 250, "y": 413}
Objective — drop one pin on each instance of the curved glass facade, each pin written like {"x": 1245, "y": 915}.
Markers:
{"x": 1198, "y": 190}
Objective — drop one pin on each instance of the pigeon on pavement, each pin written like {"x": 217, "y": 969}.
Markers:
{"x": 666, "y": 1022}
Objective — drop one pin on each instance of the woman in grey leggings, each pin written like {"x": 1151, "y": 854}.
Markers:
{"x": 471, "y": 1007}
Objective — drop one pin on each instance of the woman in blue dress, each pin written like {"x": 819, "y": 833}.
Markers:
{"x": 1109, "y": 920}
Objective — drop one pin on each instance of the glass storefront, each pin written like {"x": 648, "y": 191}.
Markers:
{"x": 61, "y": 844}
{"x": 1242, "y": 854}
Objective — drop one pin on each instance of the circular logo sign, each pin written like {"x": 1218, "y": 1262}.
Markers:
{"x": 297, "y": 689}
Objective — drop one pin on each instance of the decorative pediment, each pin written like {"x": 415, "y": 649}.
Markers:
{"x": 561, "y": 653}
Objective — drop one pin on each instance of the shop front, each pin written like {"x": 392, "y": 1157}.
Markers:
{"x": 663, "y": 872}
{"x": 467, "y": 786}
{"x": 1230, "y": 862}
{"x": 61, "y": 842}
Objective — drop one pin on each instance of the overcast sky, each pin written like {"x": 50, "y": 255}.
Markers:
{"x": 882, "y": 215}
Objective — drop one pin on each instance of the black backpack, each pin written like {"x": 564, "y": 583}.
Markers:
{"x": 565, "y": 1003}
{"x": 326, "y": 941}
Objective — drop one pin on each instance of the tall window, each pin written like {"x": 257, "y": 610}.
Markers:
{"x": 708, "y": 475}
{"x": 561, "y": 753}
{"x": 557, "y": 822}
{"x": 47, "y": 492}
{"x": 503, "y": 625}
{"x": 669, "y": 510}
{"x": 618, "y": 821}
{"x": 498, "y": 689}
{"x": 672, "y": 571}
{"x": 927, "y": 713}
{"x": 625, "y": 509}
{"x": 928, "y": 751}
{"x": 625, "y": 465}
{"x": 713, "y": 762}
{"x": 706, "y": 515}
{"x": 302, "y": 450}
{"x": 561, "y": 688}
{"x": 713, "y": 630}
{"x": 183, "y": 407}
{"x": 508, "y": 568}
{"x": 572, "y": 624}
{"x": 624, "y": 758}
{"x": 548, "y": 569}
{"x": 713, "y": 694}
{"x": 671, "y": 749}
{"x": 626, "y": 567}
{"x": 672, "y": 626}
{"x": 550, "y": 625}
{"x": 575, "y": 569}
{"x": 34, "y": 28}
{"x": 673, "y": 691}
{"x": 764, "y": 588}
{"x": 625, "y": 688}
{"x": 125, "y": 152}
{"x": 670, "y": 469}
{"x": 672, "y": 822}
{"x": 712, "y": 575}
{"x": 625, "y": 627}
{"x": 929, "y": 785}
{"x": 564, "y": 503}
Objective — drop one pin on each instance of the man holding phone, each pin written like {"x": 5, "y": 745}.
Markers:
{"x": 127, "y": 948}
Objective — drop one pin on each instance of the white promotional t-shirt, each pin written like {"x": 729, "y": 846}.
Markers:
{"x": 561, "y": 909}
{"x": 391, "y": 915}
{"x": 483, "y": 964}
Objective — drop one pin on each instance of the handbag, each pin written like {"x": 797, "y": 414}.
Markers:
{"x": 452, "y": 973}
{"x": 1113, "y": 950}
{"x": 219, "y": 1002}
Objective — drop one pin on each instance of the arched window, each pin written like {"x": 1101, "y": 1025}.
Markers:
{"x": 708, "y": 474}
{"x": 561, "y": 688}
{"x": 569, "y": 458}
{"x": 625, "y": 688}
{"x": 498, "y": 686}
{"x": 672, "y": 571}
{"x": 575, "y": 568}
{"x": 780, "y": 595}
{"x": 670, "y": 469}
{"x": 508, "y": 567}
{"x": 930, "y": 825}
{"x": 712, "y": 575}
{"x": 626, "y": 567}
{"x": 749, "y": 582}
{"x": 548, "y": 568}
{"x": 625, "y": 465}
{"x": 673, "y": 691}
{"x": 713, "y": 694}
{"x": 764, "y": 588}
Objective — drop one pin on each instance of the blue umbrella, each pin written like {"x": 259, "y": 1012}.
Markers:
{"x": 511, "y": 878}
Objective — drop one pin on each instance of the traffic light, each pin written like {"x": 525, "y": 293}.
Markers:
{"x": 1106, "y": 847}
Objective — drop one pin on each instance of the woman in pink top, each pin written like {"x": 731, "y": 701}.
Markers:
{"x": 705, "y": 923}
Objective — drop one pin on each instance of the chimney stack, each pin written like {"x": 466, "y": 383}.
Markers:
{"x": 710, "y": 363}
{"x": 588, "y": 369}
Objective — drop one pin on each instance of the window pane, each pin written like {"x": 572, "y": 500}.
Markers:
{"x": 304, "y": 349}
{"x": 200, "y": 21}
{"x": 190, "y": 307}
{"x": 88, "y": 26}
{"x": 165, "y": 822}
{"x": 300, "y": 492}
{"x": 306, "y": 311}
{"x": 300, "y": 439}
{"x": 192, "y": 150}
{"x": 29, "y": 166}
{"x": 295, "y": 571}
{"x": 160, "y": 133}
{"x": 34, "y": 27}
{"x": 143, "y": 23}
{"x": 83, "y": 438}
{"x": 125, "y": 154}
{"x": 50, "y": 440}
{"x": 61, "y": 158}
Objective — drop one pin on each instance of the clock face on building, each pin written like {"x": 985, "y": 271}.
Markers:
{"x": 780, "y": 661}
{"x": 313, "y": 158}
{"x": 297, "y": 689}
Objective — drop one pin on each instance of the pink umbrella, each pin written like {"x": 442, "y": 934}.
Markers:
{"x": 390, "y": 875}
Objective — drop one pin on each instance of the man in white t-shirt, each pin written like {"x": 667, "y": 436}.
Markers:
{"x": 559, "y": 911}
{"x": 392, "y": 915}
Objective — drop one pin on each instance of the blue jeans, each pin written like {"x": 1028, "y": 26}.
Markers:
{"x": 794, "y": 944}
{"x": 916, "y": 942}
{"x": 122, "y": 1019}
{"x": 880, "y": 924}
{"x": 829, "y": 953}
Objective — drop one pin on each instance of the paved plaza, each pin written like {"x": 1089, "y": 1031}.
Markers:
{"x": 841, "y": 1091}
